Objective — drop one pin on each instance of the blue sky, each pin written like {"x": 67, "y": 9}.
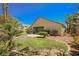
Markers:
{"x": 27, "y": 13}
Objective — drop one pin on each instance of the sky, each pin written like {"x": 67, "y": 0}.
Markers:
{"x": 27, "y": 13}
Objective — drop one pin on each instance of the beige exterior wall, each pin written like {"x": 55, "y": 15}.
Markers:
{"x": 49, "y": 25}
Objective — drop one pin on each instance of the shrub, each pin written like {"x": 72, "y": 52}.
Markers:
{"x": 18, "y": 32}
{"x": 43, "y": 33}
{"x": 76, "y": 38}
{"x": 8, "y": 32}
{"x": 54, "y": 32}
{"x": 28, "y": 31}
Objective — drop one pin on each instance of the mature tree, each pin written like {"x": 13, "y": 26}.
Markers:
{"x": 69, "y": 23}
{"x": 8, "y": 24}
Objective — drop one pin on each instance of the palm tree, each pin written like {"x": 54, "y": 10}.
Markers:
{"x": 5, "y": 11}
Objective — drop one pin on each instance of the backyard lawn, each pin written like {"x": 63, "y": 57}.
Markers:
{"x": 39, "y": 43}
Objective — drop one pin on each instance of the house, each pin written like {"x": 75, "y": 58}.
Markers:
{"x": 48, "y": 25}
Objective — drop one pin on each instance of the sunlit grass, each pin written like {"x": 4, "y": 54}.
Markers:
{"x": 40, "y": 43}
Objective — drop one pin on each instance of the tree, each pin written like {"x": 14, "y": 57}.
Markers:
{"x": 8, "y": 24}
{"x": 69, "y": 22}
{"x": 73, "y": 26}
{"x": 5, "y": 11}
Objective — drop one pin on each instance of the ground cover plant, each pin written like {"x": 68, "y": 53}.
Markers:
{"x": 40, "y": 43}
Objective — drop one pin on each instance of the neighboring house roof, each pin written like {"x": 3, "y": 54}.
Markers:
{"x": 48, "y": 20}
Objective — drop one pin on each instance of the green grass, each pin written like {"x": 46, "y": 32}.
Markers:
{"x": 40, "y": 43}
{"x": 23, "y": 33}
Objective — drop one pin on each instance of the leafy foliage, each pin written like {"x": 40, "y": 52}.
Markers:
{"x": 76, "y": 39}
{"x": 29, "y": 31}
{"x": 44, "y": 33}
{"x": 54, "y": 32}
{"x": 1, "y": 19}
{"x": 72, "y": 24}
{"x": 8, "y": 28}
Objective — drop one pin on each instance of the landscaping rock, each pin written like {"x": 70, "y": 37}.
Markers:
{"x": 53, "y": 52}
{"x": 25, "y": 50}
{"x": 13, "y": 53}
{"x": 29, "y": 51}
{"x": 43, "y": 52}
